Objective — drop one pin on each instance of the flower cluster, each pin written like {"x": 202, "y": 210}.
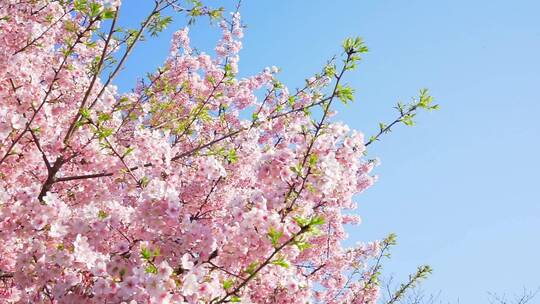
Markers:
{"x": 197, "y": 187}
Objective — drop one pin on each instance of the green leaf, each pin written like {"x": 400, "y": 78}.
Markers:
{"x": 390, "y": 240}
{"x": 408, "y": 120}
{"x": 302, "y": 222}
{"x": 79, "y": 123}
{"x": 216, "y": 14}
{"x": 235, "y": 299}
{"x": 345, "y": 94}
{"x": 158, "y": 24}
{"x": 316, "y": 221}
{"x": 102, "y": 214}
{"x": 228, "y": 70}
{"x": 330, "y": 70}
{"x": 211, "y": 79}
{"x": 274, "y": 236}
{"x": 311, "y": 188}
{"x": 150, "y": 268}
{"x": 104, "y": 132}
{"x": 281, "y": 262}
{"x": 291, "y": 101}
{"x": 85, "y": 113}
{"x": 108, "y": 14}
{"x": 146, "y": 254}
{"x": 354, "y": 45}
{"x": 232, "y": 157}
{"x": 297, "y": 169}
{"x": 399, "y": 106}
{"x": 252, "y": 267}
{"x": 348, "y": 45}
{"x": 103, "y": 117}
{"x": 95, "y": 8}
{"x": 228, "y": 283}
{"x": 144, "y": 181}
{"x": 80, "y": 6}
{"x": 128, "y": 151}
{"x": 312, "y": 161}
{"x": 302, "y": 245}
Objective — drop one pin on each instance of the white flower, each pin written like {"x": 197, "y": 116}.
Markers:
{"x": 18, "y": 121}
{"x": 57, "y": 230}
{"x": 190, "y": 284}
{"x": 83, "y": 253}
{"x": 186, "y": 263}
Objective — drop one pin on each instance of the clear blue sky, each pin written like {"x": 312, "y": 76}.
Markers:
{"x": 461, "y": 189}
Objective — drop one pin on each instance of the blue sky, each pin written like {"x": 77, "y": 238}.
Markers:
{"x": 461, "y": 189}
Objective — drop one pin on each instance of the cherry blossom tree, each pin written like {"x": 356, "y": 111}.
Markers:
{"x": 194, "y": 187}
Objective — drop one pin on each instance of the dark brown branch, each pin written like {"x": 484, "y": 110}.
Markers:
{"x": 36, "y": 141}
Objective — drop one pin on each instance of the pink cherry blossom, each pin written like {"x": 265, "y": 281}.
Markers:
{"x": 195, "y": 187}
